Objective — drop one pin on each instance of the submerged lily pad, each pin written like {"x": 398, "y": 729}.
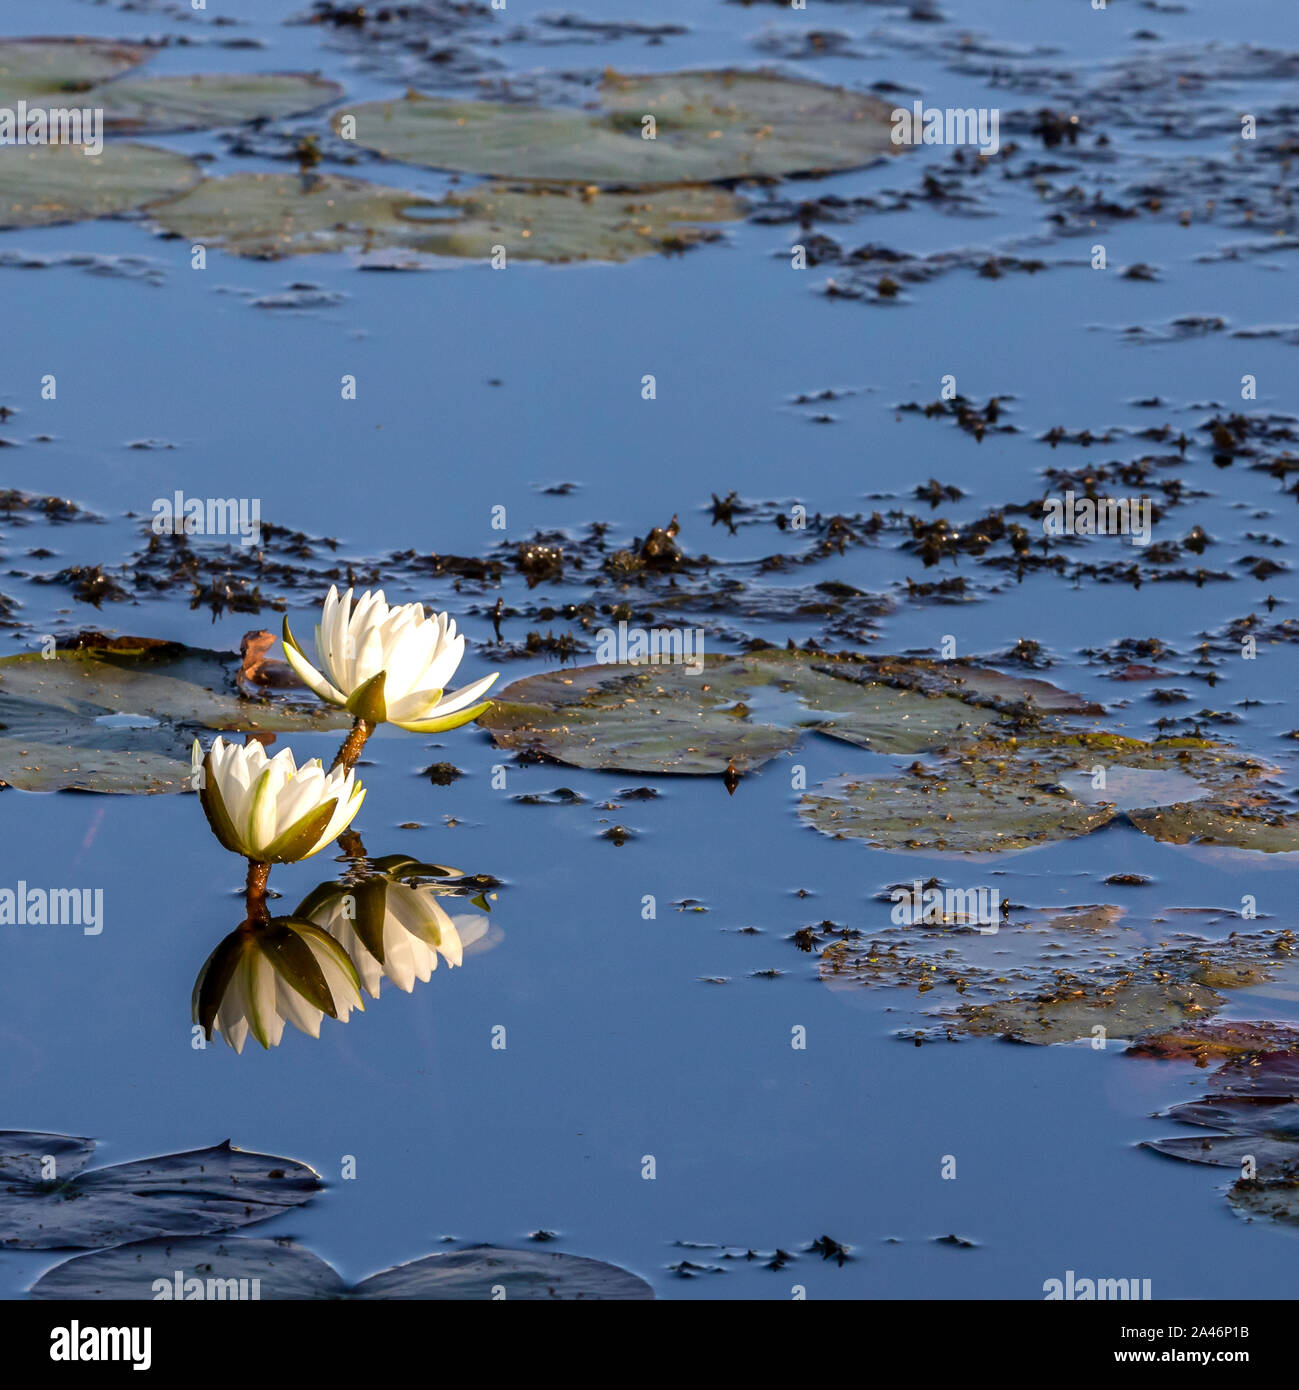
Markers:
{"x": 61, "y": 726}
{"x": 291, "y": 214}
{"x": 26, "y": 1156}
{"x": 288, "y": 1271}
{"x": 191, "y": 1193}
{"x": 735, "y": 710}
{"x": 202, "y": 101}
{"x": 44, "y": 184}
{"x": 708, "y": 126}
{"x": 62, "y": 69}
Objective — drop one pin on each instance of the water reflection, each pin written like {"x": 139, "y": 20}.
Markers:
{"x": 383, "y": 918}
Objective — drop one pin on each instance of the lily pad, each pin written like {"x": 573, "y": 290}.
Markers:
{"x": 1124, "y": 1009}
{"x": 1222, "y": 824}
{"x": 740, "y": 710}
{"x": 708, "y": 126}
{"x": 62, "y": 725}
{"x": 288, "y": 1271}
{"x": 523, "y": 1274}
{"x": 1264, "y": 1128}
{"x": 191, "y": 1193}
{"x": 203, "y": 101}
{"x": 1023, "y": 792}
{"x": 61, "y": 68}
{"x": 26, "y": 1156}
{"x": 146, "y": 1269}
{"x": 44, "y": 184}
{"x": 1224, "y": 1038}
{"x": 270, "y": 215}
{"x": 973, "y": 807}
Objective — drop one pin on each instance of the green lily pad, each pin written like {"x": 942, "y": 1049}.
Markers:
{"x": 191, "y": 1193}
{"x": 740, "y": 710}
{"x": 285, "y": 1270}
{"x": 203, "y": 101}
{"x": 123, "y": 720}
{"x": 44, "y": 184}
{"x": 270, "y": 215}
{"x": 709, "y": 126}
{"x": 62, "y": 69}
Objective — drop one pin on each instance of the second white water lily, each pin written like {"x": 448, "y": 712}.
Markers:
{"x": 388, "y": 664}
{"x": 269, "y": 809}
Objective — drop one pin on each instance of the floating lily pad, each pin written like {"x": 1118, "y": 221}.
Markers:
{"x": 1224, "y": 1038}
{"x": 25, "y": 1156}
{"x": 44, "y": 184}
{"x": 202, "y": 101}
{"x": 709, "y": 126}
{"x": 62, "y": 725}
{"x": 741, "y": 709}
{"x": 1023, "y": 792}
{"x": 1222, "y": 824}
{"x": 146, "y": 1269}
{"x": 1264, "y": 1128}
{"x": 967, "y": 808}
{"x": 523, "y": 1274}
{"x": 288, "y": 1271}
{"x": 192, "y": 1193}
{"x": 1274, "y": 1199}
{"x": 291, "y": 214}
{"x": 1124, "y": 1009}
{"x": 62, "y": 69}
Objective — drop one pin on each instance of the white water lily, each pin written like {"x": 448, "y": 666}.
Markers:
{"x": 391, "y": 928}
{"x": 388, "y": 664}
{"x": 280, "y": 971}
{"x": 269, "y": 809}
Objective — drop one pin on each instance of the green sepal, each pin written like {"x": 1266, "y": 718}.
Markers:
{"x": 371, "y": 896}
{"x": 214, "y": 808}
{"x": 299, "y": 840}
{"x": 214, "y": 980}
{"x": 367, "y": 701}
{"x": 294, "y": 962}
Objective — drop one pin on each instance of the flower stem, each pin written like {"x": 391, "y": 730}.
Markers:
{"x": 255, "y": 892}
{"x": 347, "y": 755}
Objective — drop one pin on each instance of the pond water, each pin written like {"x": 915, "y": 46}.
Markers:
{"x": 479, "y": 390}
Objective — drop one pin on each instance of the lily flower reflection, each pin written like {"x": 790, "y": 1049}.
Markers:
{"x": 271, "y": 972}
{"x": 393, "y": 928}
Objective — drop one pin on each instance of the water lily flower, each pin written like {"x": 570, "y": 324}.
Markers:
{"x": 269, "y": 809}
{"x": 391, "y": 928}
{"x": 388, "y": 664}
{"x": 279, "y": 971}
